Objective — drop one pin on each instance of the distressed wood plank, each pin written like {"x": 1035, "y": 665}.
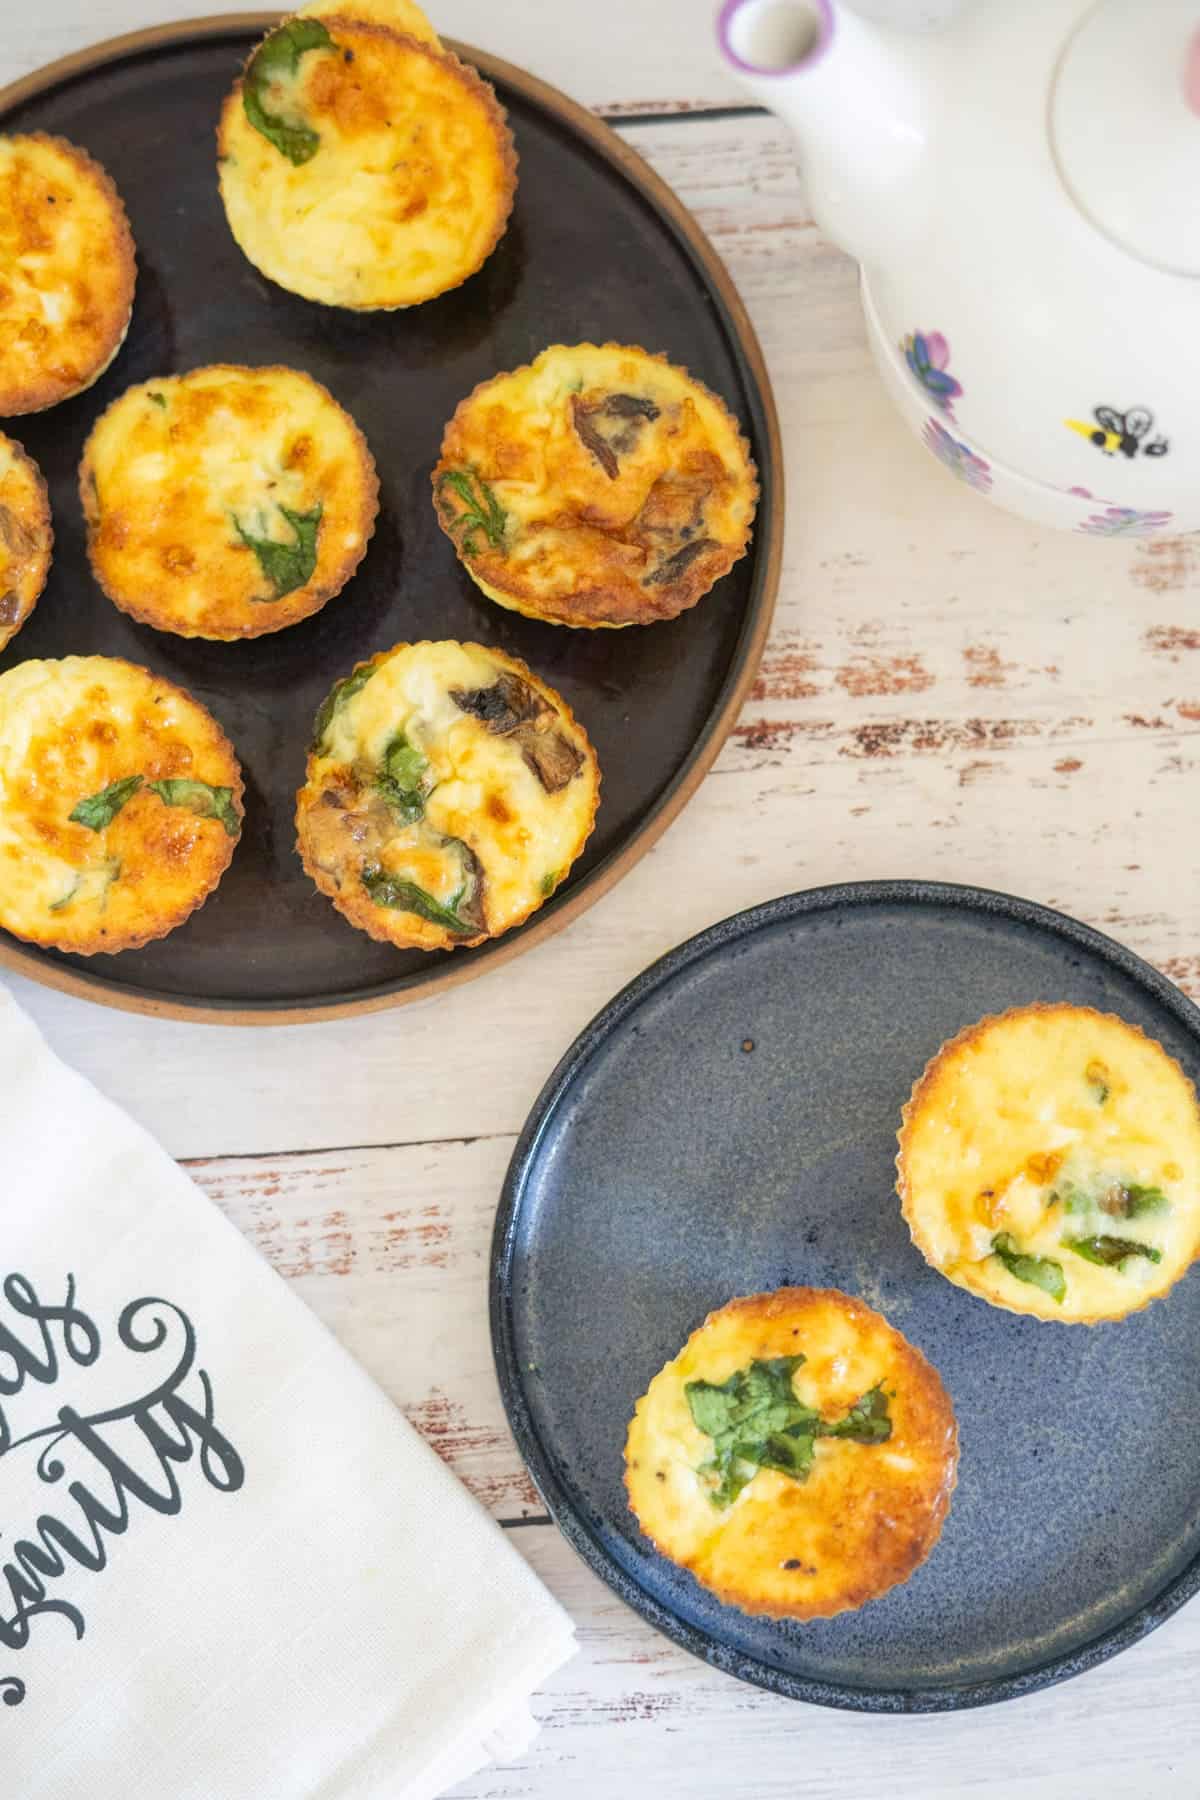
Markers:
{"x": 390, "y": 1250}
{"x": 1126, "y": 1731}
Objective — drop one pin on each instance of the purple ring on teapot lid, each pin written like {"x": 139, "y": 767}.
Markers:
{"x": 774, "y": 37}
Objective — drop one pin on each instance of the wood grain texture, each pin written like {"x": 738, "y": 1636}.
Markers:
{"x": 390, "y": 1250}
{"x": 692, "y": 1734}
{"x": 948, "y": 693}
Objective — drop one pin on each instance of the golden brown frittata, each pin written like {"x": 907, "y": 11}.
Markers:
{"x": 227, "y": 502}
{"x": 26, "y": 537}
{"x": 448, "y": 792}
{"x": 361, "y": 167}
{"x": 120, "y": 804}
{"x": 1050, "y": 1163}
{"x": 66, "y": 272}
{"x": 599, "y": 485}
{"x": 798, "y": 1455}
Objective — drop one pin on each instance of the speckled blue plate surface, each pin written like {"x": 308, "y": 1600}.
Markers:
{"x": 728, "y": 1124}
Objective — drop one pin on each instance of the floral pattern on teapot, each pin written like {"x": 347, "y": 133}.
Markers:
{"x": 1124, "y": 521}
{"x": 927, "y": 354}
{"x": 958, "y": 457}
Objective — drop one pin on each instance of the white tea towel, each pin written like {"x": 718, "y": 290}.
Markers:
{"x": 229, "y": 1568}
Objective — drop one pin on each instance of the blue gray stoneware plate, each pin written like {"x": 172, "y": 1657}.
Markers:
{"x": 728, "y": 1124}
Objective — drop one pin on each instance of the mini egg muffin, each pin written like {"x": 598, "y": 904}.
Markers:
{"x": 363, "y": 167}
{"x": 67, "y": 271}
{"x": 26, "y": 537}
{"x": 597, "y": 486}
{"x": 1050, "y": 1163}
{"x": 399, "y": 15}
{"x": 448, "y": 792}
{"x": 227, "y": 502}
{"x": 798, "y": 1455}
{"x": 120, "y": 804}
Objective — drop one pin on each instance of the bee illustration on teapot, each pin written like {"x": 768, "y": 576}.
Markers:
{"x": 1125, "y": 432}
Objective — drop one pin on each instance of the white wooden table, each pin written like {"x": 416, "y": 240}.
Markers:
{"x": 948, "y": 693}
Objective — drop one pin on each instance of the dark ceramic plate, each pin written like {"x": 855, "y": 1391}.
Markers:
{"x": 668, "y": 1166}
{"x": 597, "y": 248}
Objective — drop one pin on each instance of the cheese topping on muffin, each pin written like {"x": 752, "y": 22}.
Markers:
{"x": 120, "y": 804}
{"x": 25, "y": 537}
{"x": 361, "y": 167}
{"x": 66, "y": 272}
{"x": 1050, "y": 1162}
{"x": 798, "y": 1455}
{"x": 599, "y": 485}
{"x": 448, "y": 793}
{"x": 227, "y": 502}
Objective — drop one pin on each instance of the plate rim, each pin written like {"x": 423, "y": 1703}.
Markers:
{"x": 678, "y": 220}
{"x": 945, "y": 1697}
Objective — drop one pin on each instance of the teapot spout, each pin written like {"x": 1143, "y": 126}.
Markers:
{"x": 856, "y": 97}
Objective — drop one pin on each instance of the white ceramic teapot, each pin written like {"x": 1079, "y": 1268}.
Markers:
{"x": 1022, "y": 190}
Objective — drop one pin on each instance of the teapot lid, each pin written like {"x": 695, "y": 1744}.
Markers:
{"x": 1125, "y": 125}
